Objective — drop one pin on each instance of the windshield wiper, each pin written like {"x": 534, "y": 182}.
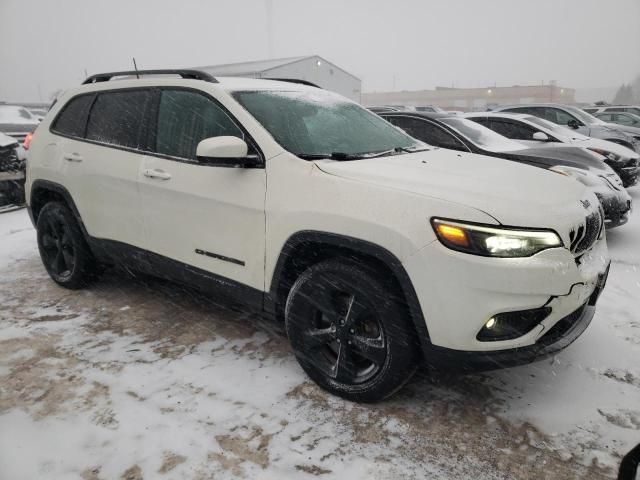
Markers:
{"x": 359, "y": 156}
{"x": 331, "y": 156}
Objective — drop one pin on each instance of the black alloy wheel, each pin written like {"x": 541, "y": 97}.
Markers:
{"x": 349, "y": 331}
{"x": 63, "y": 249}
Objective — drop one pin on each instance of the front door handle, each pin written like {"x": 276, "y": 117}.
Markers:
{"x": 157, "y": 174}
{"x": 72, "y": 157}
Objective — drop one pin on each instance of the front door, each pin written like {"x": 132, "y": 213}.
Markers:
{"x": 210, "y": 217}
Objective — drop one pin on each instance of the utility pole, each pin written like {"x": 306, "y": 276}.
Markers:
{"x": 269, "y": 8}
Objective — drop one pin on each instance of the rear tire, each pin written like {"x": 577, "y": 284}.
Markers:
{"x": 63, "y": 248}
{"x": 350, "y": 331}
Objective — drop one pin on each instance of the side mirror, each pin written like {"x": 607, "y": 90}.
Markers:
{"x": 573, "y": 123}
{"x": 225, "y": 152}
{"x": 541, "y": 137}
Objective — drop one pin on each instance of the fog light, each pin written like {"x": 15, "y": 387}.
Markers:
{"x": 510, "y": 325}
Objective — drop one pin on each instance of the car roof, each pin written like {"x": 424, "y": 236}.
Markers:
{"x": 525, "y": 105}
{"x": 519, "y": 116}
{"x": 411, "y": 113}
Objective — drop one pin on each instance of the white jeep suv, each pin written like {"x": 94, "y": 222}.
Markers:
{"x": 375, "y": 248}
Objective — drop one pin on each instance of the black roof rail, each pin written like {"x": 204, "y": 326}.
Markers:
{"x": 295, "y": 80}
{"x": 187, "y": 74}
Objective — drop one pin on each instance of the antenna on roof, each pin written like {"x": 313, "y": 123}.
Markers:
{"x": 135, "y": 67}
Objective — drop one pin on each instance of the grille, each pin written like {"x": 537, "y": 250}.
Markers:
{"x": 585, "y": 235}
{"x": 8, "y": 159}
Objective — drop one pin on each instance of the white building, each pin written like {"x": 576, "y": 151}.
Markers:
{"x": 312, "y": 68}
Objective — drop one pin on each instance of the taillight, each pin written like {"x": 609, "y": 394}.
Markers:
{"x": 27, "y": 141}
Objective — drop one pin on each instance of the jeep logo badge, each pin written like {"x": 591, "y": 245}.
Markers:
{"x": 586, "y": 204}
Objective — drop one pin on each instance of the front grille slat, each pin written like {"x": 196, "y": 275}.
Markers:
{"x": 584, "y": 236}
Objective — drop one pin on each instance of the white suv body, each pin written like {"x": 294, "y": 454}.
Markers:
{"x": 266, "y": 231}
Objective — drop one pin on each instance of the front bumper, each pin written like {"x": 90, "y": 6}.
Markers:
{"x": 459, "y": 293}
{"x": 628, "y": 172}
{"x": 617, "y": 208}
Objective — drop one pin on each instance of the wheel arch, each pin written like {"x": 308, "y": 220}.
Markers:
{"x": 306, "y": 248}
{"x": 45, "y": 191}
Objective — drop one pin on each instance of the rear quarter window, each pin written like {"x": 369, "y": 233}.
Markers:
{"x": 72, "y": 119}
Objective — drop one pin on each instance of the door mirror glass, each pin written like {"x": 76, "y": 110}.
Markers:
{"x": 224, "y": 151}
{"x": 573, "y": 123}
{"x": 540, "y": 136}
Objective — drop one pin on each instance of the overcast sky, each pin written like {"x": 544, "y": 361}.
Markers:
{"x": 412, "y": 44}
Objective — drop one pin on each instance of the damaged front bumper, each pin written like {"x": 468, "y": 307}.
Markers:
{"x": 460, "y": 293}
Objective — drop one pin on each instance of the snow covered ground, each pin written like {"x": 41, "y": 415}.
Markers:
{"x": 137, "y": 378}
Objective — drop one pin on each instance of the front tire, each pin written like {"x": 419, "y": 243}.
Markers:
{"x": 63, "y": 248}
{"x": 350, "y": 331}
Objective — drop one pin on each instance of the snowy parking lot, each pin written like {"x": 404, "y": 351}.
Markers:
{"x": 137, "y": 378}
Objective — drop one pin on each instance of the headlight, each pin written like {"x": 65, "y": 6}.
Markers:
{"x": 605, "y": 153}
{"x": 488, "y": 241}
{"x": 583, "y": 176}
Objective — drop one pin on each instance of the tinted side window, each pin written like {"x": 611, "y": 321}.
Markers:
{"x": 117, "y": 118}
{"x": 623, "y": 119}
{"x": 560, "y": 116}
{"x": 72, "y": 120}
{"x": 427, "y": 132}
{"x": 513, "y": 130}
{"x": 484, "y": 121}
{"x": 185, "y": 118}
{"x": 526, "y": 110}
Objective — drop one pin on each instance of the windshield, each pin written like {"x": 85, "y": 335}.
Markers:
{"x": 13, "y": 114}
{"x": 482, "y": 136}
{"x": 323, "y": 124}
{"x": 559, "y": 130}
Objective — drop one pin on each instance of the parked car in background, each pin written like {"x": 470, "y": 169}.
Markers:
{"x": 462, "y": 134}
{"x": 382, "y": 109}
{"x": 621, "y": 118}
{"x": 12, "y": 171}
{"x": 17, "y": 122}
{"x": 580, "y": 121}
{"x": 37, "y": 112}
{"x": 613, "y": 108}
{"x": 534, "y": 131}
{"x": 360, "y": 237}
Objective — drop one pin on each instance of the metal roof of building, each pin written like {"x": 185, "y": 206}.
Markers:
{"x": 244, "y": 68}
{"x": 261, "y": 66}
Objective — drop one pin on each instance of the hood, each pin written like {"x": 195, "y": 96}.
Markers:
{"x": 633, "y": 131}
{"x": 611, "y": 130}
{"x": 607, "y": 146}
{"x": 513, "y": 193}
{"x": 552, "y": 154}
{"x": 6, "y": 140}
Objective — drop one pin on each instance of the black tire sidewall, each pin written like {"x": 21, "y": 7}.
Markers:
{"x": 84, "y": 261}
{"x": 399, "y": 332}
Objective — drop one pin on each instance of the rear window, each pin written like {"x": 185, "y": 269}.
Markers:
{"x": 117, "y": 118}
{"x": 72, "y": 120}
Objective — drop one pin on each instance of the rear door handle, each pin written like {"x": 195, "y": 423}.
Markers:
{"x": 72, "y": 157}
{"x": 157, "y": 174}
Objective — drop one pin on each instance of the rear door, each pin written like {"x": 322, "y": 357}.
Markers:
{"x": 207, "y": 216}
{"x": 101, "y": 159}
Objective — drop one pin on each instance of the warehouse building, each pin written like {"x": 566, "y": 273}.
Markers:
{"x": 311, "y": 68}
{"x": 473, "y": 99}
